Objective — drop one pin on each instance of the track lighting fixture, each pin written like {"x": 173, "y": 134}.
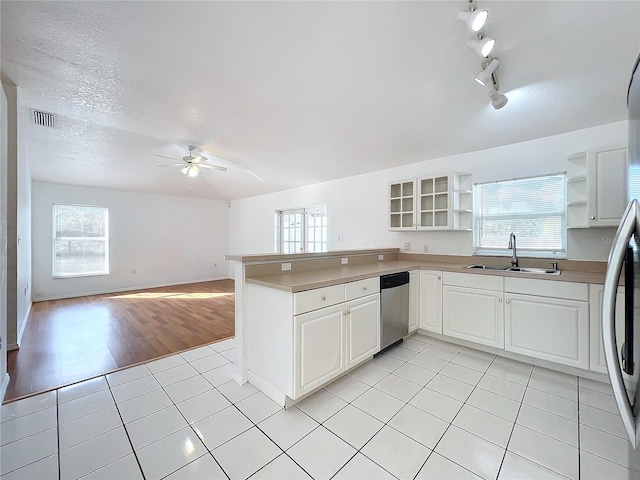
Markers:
{"x": 498, "y": 100}
{"x": 484, "y": 76}
{"x": 475, "y": 19}
{"x": 482, "y": 45}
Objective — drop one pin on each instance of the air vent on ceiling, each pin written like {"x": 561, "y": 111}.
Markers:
{"x": 44, "y": 119}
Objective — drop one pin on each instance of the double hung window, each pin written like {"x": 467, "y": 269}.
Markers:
{"x": 80, "y": 240}
{"x": 533, "y": 208}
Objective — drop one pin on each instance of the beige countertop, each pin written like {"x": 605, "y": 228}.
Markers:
{"x": 307, "y": 280}
{"x": 293, "y": 257}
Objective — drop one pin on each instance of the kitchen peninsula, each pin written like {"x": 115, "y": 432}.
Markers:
{"x": 303, "y": 320}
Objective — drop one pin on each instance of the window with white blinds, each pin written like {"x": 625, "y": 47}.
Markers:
{"x": 301, "y": 230}
{"x": 80, "y": 240}
{"x": 534, "y": 209}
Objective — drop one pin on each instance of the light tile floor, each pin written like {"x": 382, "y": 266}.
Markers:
{"x": 425, "y": 409}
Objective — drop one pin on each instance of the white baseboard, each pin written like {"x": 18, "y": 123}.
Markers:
{"x": 4, "y": 386}
{"x": 278, "y": 397}
{"x": 126, "y": 289}
{"x": 24, "y": 325}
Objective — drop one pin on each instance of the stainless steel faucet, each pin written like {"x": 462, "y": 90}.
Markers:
{"x": 512, "y": 245}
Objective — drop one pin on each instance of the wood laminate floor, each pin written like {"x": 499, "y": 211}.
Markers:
{"x": 73, "y": 339}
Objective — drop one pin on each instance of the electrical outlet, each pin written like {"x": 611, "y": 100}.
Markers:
{"x": 407, "y": 245}
{"x": 380, "y": 257}
{"x": 286, "y": 267}
{"x": 344, "y": 260}
{"x": 426, "y": 249}
{"x": 340, "y": 237}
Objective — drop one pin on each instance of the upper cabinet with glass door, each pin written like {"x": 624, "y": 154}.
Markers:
{"x": 431, "y": 203}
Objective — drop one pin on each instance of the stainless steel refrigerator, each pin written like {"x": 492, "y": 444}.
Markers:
{"x": 621, "y": 345}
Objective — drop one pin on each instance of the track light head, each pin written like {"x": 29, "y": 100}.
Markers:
{"x": 482, "y": 46}
{"x": 474, "y": 19}
{"x": 498, "y": 100}
{"x": 483, "y": 77}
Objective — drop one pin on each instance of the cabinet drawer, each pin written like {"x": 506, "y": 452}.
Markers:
{"x": 471, "y": 280}
{"x": 317, "y": 298}
{"x": 547, "y": 288}
{"x": 361, "y": 288}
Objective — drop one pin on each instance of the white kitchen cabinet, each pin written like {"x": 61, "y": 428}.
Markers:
{"x": 431, "y": 203}
{"x": 597, "y": 362}
{"x": 363, "y": 329}
{"x": 473, "y": 314}
{"x": 414, "y": 300}
{"x": 318, "y": 348}
{"x": 597, "y": 187}
{"x": 402, "y": 205}
{"x": 547, "y": 320}
{"x": 297, "y": 342}
{"x": 552, "y": 329}
{"x": 430, "y": 301}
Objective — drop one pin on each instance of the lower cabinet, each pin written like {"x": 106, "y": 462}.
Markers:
{"x": 473, "y": 314}
{"x": 363, "y": 329}
{"x": 414, "y": 300}
{"x": 553, "y": 329}
{"x": 430, "y": 302}
{"x": 318, "y": 348}
{"x": 331, "y": 340}
{"x": 596, "y": 350}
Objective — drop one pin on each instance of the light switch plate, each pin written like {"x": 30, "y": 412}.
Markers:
{"x": 344, "y": 260}
{"x": 380, "y": 257}
{"x": 286, "y": 267}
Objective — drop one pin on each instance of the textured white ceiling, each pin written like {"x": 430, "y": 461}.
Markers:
{"x": 300, "y": 92}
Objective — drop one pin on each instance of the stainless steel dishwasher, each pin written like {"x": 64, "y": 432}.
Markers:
{"x": 394, "y": 309}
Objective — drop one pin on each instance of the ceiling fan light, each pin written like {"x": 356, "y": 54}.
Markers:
{"x": 184, "y": 170}
{"x": 498, "y": 100}
{"x": 484, "y": 76}
{"x": 482, "y": 46}
{"x": 193, "y": 171}
{"x": 475, "y": 20}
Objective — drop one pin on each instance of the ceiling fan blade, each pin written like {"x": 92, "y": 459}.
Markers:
{"x": 199, "y": 159}
{"x": 212, "y": 167}
{"x": 165, "y": 156}
{"x": 237, "y": 165}
{"x": 171, "y": 165}
{"x": 255, "y": 176}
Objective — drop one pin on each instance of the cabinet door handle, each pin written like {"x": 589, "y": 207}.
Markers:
{"x": 324, "y": 297}
{"x": 364, "y": 288}
{"x": 438, "y": 277}
{"x": 593, "y": 217}
{"x": 500, "y": 300}
{"x": 507, "y": 301}
{"x": 348, "y": 312}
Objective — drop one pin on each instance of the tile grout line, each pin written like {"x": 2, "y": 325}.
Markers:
{"x": 124, "y": 427}
{"x": 515, "y": 420}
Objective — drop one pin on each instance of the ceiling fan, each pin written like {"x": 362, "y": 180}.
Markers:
{"x": 191, "y": 164}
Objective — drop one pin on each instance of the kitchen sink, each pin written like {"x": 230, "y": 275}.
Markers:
{"x": 546, "y": 271}
{"x": 489, "y": 267}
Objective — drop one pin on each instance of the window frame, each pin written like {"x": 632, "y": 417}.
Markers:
{"x": 304, "y": 240}
{"x": 105, "y": 238}
{"x": 522, "y": 252}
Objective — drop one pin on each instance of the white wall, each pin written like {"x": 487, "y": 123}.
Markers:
{"x": 4, "y": 377}
{"x": 166, "y": 239}
{"x": 23, "y": 229}
{"x": 357, "y": 206}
